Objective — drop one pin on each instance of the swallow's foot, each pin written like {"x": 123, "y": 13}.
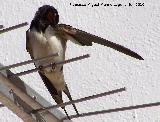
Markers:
{"x": 41, "y": 69}
{"x": 53, "y": 66}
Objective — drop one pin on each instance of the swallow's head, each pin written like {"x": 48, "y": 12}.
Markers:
{"x": 45, "y": 16}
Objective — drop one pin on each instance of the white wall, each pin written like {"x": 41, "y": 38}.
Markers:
{"x": 137, "y": 28}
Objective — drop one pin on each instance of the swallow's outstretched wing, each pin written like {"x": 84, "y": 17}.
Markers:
{"x": 85, "y": 38}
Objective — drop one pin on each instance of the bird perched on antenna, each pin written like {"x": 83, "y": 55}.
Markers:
{"x": 46, "y": 36}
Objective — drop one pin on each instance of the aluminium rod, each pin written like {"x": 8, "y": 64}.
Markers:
{"x": 1, "y": 26}
{"x": 27, "y": 62}
{"x": 114, "y": 110}
{"x": 13, "y": 27}
{"x": 49, "y": 65}
{"x": 80, "y": 100}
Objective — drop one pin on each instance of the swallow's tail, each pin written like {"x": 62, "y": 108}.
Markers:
{"x": 66, "y": 112}
{"x": 58, "y": 100}
{"x": 56, "y": 95}
{"x": 66, "y": 91}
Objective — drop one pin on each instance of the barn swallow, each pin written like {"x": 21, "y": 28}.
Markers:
{"x": 46, "y": 36}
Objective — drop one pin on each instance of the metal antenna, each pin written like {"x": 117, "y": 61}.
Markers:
{"x": 28, "y": 62}
{"x": 80, "y": 100}
{"x": 13, "y": 27}
{"x": 114, "y": 110}
{"x": 1, "y": 26}
{"x": 49, "y": 65}
{"x": 14, "y": 94}
{"x": 21, "y": 99}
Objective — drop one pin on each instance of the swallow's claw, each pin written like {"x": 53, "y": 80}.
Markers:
{"x": 53, "y": 66}
{"x": 41, "y": 69}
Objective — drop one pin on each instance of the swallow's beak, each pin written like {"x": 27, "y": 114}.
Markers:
{"x": 53, "y": 24}
{"x": 51, "y": 19}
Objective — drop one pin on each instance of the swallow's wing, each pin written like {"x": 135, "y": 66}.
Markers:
{"x": 85, "y": 38}
{"x": 28, "y": 45}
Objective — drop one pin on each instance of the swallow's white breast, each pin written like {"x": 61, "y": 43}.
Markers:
{"x": 46, "y": 44}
